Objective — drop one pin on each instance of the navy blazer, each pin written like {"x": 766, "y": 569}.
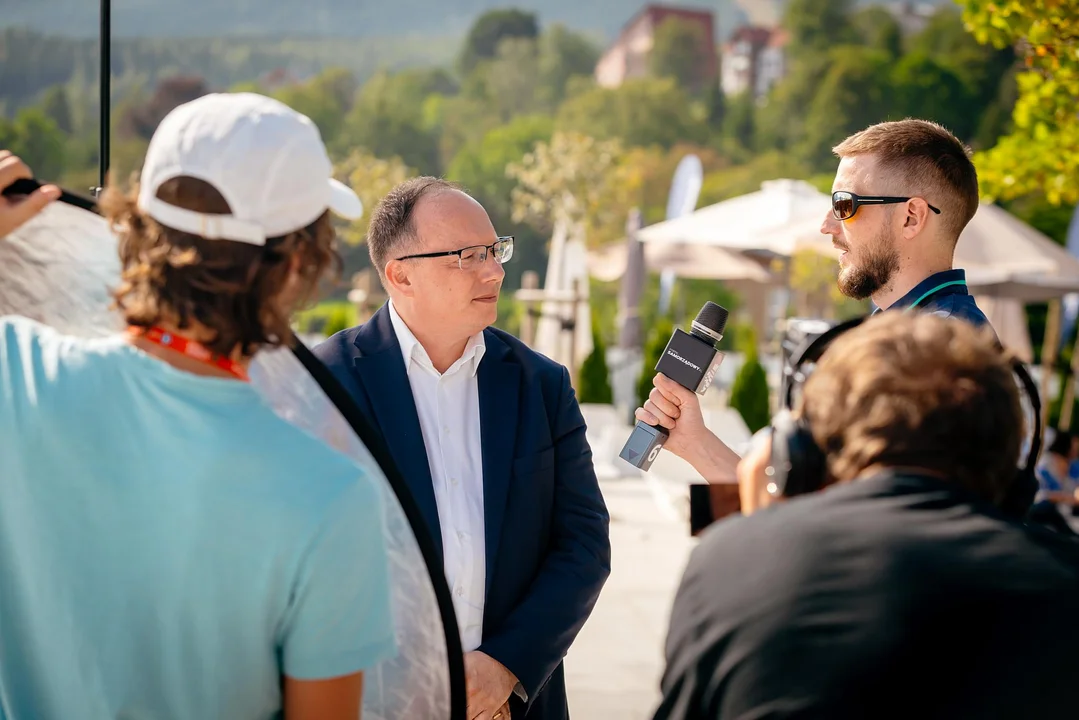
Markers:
{"x": 547, "y": 538}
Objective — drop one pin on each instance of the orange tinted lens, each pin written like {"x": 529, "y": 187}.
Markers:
{"x": 842, "y": 206}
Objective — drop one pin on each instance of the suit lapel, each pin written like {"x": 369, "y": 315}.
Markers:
{"x": 381, "y": 370}
{"x": 499, "y": 389}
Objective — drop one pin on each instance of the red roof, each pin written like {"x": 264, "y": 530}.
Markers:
{"x": 759, "y": 36}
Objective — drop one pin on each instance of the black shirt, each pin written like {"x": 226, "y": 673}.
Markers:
{"x": 896, "y": 596}
{"x": 945, "y": 294}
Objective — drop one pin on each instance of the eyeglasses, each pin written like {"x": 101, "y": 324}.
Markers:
{"x": 474, "y": 255}
{"x": 845, "y": 204}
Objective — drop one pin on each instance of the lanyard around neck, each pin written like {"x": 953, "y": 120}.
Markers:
{"x": 190, "y": 348}
{"x": 934, "y": 291}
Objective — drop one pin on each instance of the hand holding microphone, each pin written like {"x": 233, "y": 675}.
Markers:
{"x": 678, "y": 411}
{"x": 690, "y": 361}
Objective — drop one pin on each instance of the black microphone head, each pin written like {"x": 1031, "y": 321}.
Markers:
{"x": 712, "y": 317}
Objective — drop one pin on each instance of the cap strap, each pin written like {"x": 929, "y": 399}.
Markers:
{"x": 211, "y": 227}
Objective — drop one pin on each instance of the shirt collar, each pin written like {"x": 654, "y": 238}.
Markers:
{"x": 953, "y": 282}
{"x": 412, "y": 350}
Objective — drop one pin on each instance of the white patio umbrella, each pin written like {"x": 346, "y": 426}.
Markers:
{"x": 688, "y": 260}
{"x": 748, "y": 222}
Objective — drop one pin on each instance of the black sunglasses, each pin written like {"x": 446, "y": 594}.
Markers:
{"x": 474, "y": 255}
{"x": 845, "y": 204}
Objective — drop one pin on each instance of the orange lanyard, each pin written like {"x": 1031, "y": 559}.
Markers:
{"x": 190, "y": 348}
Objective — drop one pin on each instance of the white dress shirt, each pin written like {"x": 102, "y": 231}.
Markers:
{"x": 448, "y": 406}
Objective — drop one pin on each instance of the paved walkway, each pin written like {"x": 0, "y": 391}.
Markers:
{"x": 613, "y": 668}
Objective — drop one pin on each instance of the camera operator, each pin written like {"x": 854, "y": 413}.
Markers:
{"x": 900, "y": 589}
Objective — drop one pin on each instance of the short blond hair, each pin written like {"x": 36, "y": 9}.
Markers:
{"x": 922, "y": 159}
{"x": 918, "y": 391}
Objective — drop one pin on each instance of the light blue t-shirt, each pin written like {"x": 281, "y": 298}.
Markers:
{"x": 168, "y": 545}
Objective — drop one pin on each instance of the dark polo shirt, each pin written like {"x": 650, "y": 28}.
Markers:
{"x": 945, "y": 294}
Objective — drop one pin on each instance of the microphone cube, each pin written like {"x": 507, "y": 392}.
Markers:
{"x": 644, "y": 445}
{"x": 690, "y": 362}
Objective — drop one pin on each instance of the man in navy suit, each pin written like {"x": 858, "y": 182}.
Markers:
{"x": 491, "y": 441}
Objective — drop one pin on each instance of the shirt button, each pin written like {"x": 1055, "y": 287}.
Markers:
{"x": 453, "y": 481}
{"x": 460, "y": 535}
{"x": 460, "y": 591}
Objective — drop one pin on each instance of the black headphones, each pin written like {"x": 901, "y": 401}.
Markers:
{"x": 798, "y": 464}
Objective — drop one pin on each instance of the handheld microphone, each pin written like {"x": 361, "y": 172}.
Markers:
{"x": 691, "y": 360}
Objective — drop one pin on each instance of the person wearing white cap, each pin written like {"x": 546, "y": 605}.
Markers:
{"x": 170, "y": 547}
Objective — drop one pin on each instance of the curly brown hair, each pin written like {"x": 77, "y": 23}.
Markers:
{"x": 918, "y": 391}
{"x": 244, "y": 294}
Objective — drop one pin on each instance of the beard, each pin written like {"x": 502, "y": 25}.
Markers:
{"x": 879, "y": 264}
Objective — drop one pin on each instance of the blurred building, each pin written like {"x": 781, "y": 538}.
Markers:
{"x": 754, "y": 59}
{"x": 627, "y": 57}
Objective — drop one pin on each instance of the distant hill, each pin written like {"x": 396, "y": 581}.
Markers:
{"x": 298, "y": 18}
{"x": 337, "y": 18}
{"x": 48, "y": 42}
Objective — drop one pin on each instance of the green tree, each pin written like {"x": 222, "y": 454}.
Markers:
{"x": 641, "y": 112}
{"x": 855, "y": 93}
{"x": 593, "y": 378}
{"x": 988, "y": 72}
{"x": 658, "y": 337}
{"x": 739, "y": 124}
{"x": 326, "y": 99}
{"x": 55, "y": 104}
{"x": 1042, "y": 152}
{"x": 509, "y": 84}
{"x": 481, "y": 168}
{"x": 35, "y": 138}
{"x": 387, "y": 119}
{"x": 371, "y": 178}
{"x": 680, "y": 51}
{"x": 715, "y": 101}
{"x": 817, "y": 25}
{"x": 489, "y": 30}
{"x": 563, "y": 54}
{"x": 923, "y": 88}
{"x": 725, "y": 183}
{"x": 780, "y": 122}
{"x": 879, "y": 29}
{"x": 564, "y": 180}
{"x": 749, "y": 391}
{"x": 458, "y": 122}
{"x": 481, "y": 165}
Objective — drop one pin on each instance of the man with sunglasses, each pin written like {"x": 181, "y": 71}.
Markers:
{"x": 490, "y": 439}
{"x": 903, "y": 194}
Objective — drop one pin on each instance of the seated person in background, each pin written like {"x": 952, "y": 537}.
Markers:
{"x": 1054, "y": 481}
{"x": 899, "y": 590}
{"x": 170, "y": 547}
{"x": 1058, "y": 492}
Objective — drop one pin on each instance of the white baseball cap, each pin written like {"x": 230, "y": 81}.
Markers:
{"x": 267, "y": 161}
